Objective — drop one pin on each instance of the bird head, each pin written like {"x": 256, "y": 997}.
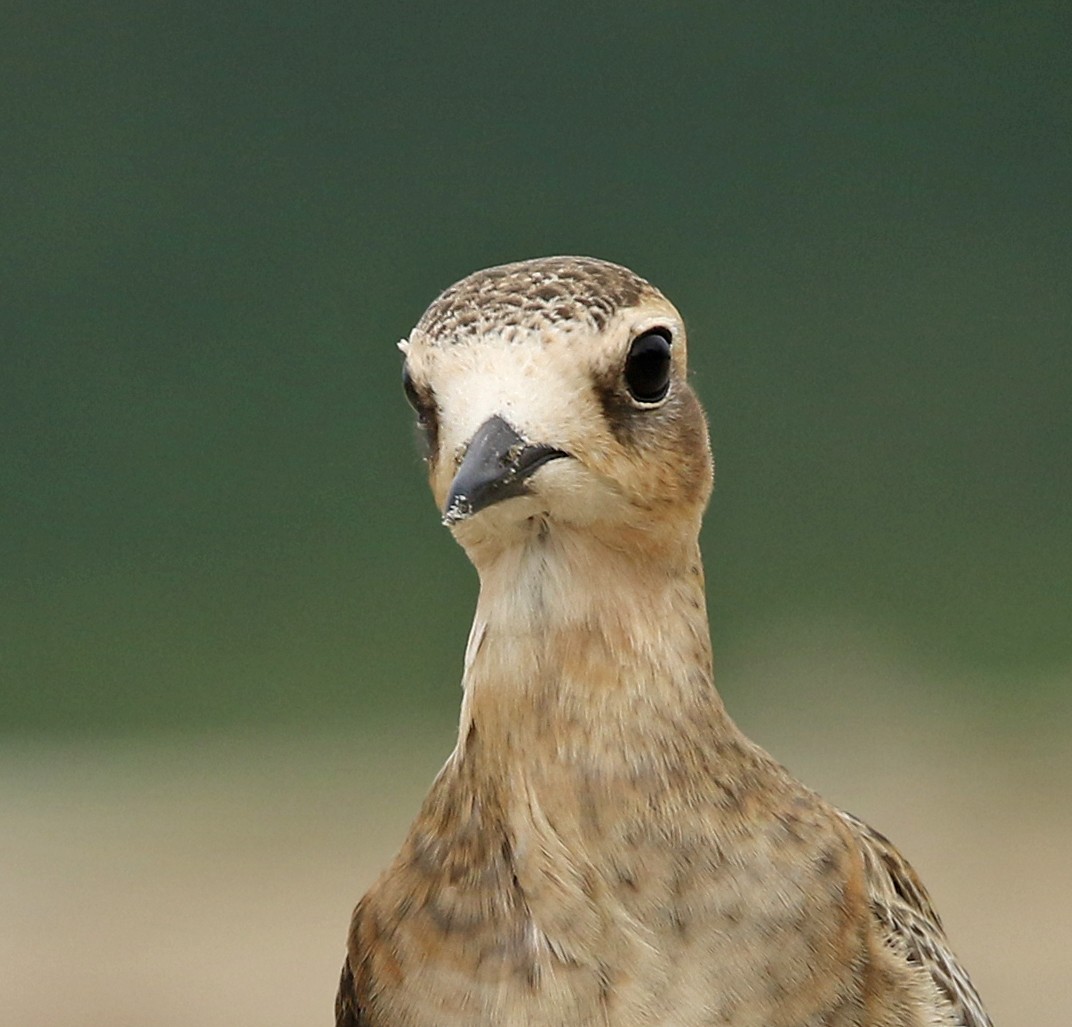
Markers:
{"x": 552, "y": 395}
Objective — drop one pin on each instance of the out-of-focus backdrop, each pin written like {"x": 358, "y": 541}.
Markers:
{"x": 230, "y": 624}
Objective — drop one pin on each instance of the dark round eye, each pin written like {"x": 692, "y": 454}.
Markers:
{"x": 427, "y": 417}
{"x": 647, "y": 368}
{"x": 413, "y": 397}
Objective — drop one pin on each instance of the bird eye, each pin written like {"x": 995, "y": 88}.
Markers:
{"x": 413, "y": 397}
{"x": 647, "y": 368}
{"x": 425, "y": 409}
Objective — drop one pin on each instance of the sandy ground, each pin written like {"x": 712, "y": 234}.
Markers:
{"x": 209, "y": 880}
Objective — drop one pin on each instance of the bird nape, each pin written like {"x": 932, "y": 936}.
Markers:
{"x": 604, "y": 846}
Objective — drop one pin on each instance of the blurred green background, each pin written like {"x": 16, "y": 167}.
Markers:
{"x": 218, "y": 219}
{"x": 231, "y": 627}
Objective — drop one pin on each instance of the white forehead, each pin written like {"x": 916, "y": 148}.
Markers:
{"x": 534, "y": 384}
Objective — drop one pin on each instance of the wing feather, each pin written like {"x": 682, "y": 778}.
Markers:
{"x": 347, "y": 1005}
{"x": 903, "y": 909}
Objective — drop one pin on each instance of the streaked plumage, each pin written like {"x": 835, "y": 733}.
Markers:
{"x": 604, "y": 846}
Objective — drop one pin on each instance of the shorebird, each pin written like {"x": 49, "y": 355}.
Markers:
{"x": 604, "y": 846}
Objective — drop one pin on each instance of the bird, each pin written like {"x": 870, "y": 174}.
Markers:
{"x": 604, "y": 846}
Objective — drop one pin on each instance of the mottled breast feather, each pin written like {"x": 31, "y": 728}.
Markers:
{"x": 532, "y": 295}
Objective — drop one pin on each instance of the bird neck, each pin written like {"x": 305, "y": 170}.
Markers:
{"x": 586, "y": 654}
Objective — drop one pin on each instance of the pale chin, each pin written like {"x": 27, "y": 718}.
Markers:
{"x": 564, "y": 497}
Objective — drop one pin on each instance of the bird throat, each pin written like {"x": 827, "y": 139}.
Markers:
{"x": 588, "y": 655}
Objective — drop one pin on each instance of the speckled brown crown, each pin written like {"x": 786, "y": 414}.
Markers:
{"x": 533, "y": 294}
